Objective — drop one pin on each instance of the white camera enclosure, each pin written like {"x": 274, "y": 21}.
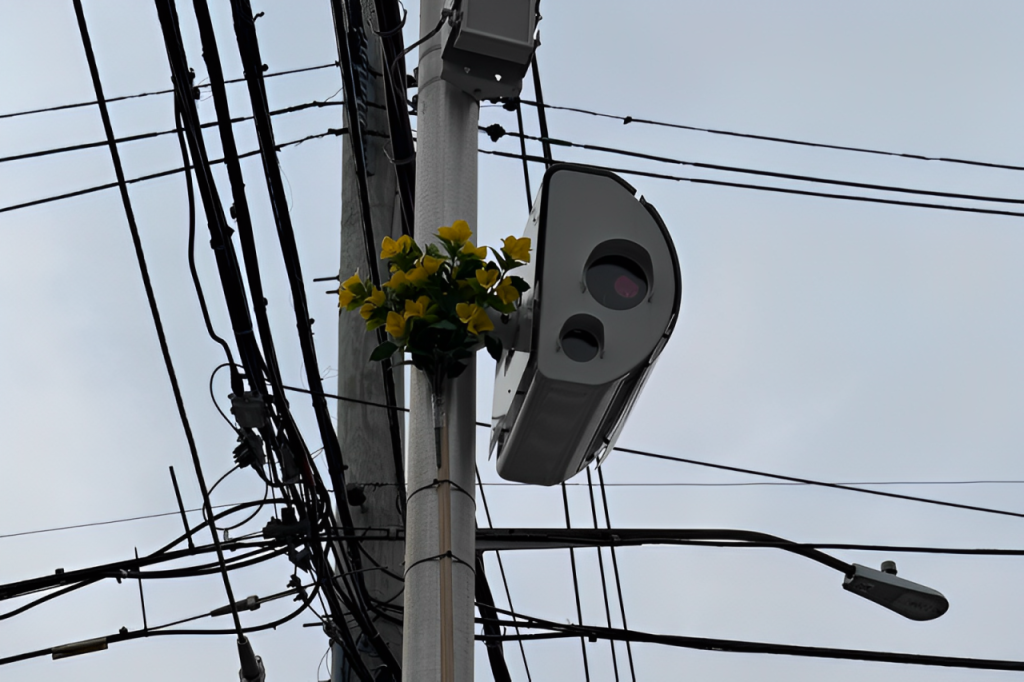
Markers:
{"x": 490, "y": 47}
{"x": 604, "y": 296}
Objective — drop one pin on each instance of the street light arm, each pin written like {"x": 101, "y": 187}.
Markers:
{"x": 909, "y": 599}
{"x": 490, "y": 539}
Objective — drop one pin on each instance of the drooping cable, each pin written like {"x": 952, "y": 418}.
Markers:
{"x": 236, "y": 383}
{"x": 140, "y": 256}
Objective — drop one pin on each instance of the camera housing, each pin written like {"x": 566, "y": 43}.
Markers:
{"x": 605, "y": 289}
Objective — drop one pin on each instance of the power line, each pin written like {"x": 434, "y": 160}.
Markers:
{"x": 787, "y": 480}
{"x": 683, "y": 484}
{"x": 94, "y": 524}
{"x": 558, "y": 630}
{"x": 604, "y": 581}
{"x": 140, "y": 256}
{"x": 160, "y": 174}
{"x": 766, "y": 138}
{"x": 501, "y": 570}
{"x": 76, "y": 105}
{"x": 837, "y": 486}
{"x": 496, "y": 132}
{"x": 765, "y": 188}
{"x": 158, "y": 133}
{"x": 615, "y": 567}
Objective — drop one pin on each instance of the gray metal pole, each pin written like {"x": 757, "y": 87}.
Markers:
{"x": 440, "y": 520}
{"x": 363, "y": 430}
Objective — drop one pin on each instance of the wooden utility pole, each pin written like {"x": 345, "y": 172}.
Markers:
{"x": 363, "y": 430}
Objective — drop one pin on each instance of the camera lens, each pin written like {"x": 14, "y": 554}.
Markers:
{"x": 579, "y": 345}
{"x": 617, "y": 282}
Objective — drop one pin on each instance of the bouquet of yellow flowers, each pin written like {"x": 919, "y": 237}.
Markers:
{"x": 435, "y": 305}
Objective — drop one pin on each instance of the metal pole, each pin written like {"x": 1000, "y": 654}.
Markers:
{"x": 440, "y": 518}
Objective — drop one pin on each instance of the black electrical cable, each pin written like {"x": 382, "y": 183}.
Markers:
{"x": 74, "y": 579}
{"x": 248, "y": 47}
{"x": 784, "y": 140}
{"x": 542, "y": 116}
{"x": 752, "y": 171}
{"x": 485, "y": 607}
{"x": 604, "y": 581}
{"x": 615, "y": 568}
{"x": 548, "y": 161}
{"x": 501, "y": 568}
{"x": 740, "y": 646}
{"x": 243, "y": 222}
{"x": 767, "y": 188}
{"x": 576, "y": 586}
{"x": 538, "y": 159}
{"x": 126, "y": 635}
{"x": 838, "y": 486}
{"x": 402, "y": 148}
{"x": 136, "y": 239}
{"x": 152, "y": 135}
{"x": 77, "y": 105}
{"x": 445, "y": 14}
{"x": 236, "y": 380}
{"x": 526, "y": 164}
{"x": 160, "y": 174}
{"x": 789, "y": 480}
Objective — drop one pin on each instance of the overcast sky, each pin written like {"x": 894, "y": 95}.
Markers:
{"x": 834, "y": 340}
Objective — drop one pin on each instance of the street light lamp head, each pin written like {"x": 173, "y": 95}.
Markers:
{"x": 906, "y": 598}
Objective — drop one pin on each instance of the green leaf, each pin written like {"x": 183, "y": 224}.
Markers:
{"x": 519, "y": 283}
{"x": 444, "y": 324}
{"x": 375, "y": 322}
{"x": 384, "y": 350}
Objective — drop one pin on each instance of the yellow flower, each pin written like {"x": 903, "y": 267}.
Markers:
{"x": 395, "y": 325}
{"x": 389, "y": 248}
{"x": 398, "y": 279}
{"x": 506, "y": 292}
{"x": 344, "y": 298}
{"x": 431, "y": 264}
{"x": 458, "y": 233}
{"x": 486, "y": 278}
{"x": 350, "y": 283}
{"x": 417, "y": 275}
{"x": 517, "y": 248}
{"x": 471, "y": 250}
{"x": 375, "y": 301}
{"x": 417, "y": 308}
{"x": 474, "y": 317}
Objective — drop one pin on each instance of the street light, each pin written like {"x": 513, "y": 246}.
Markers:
{"x": 909, "y": 599}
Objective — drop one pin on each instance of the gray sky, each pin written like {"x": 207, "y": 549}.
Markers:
{"x": 828, "y": 339}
